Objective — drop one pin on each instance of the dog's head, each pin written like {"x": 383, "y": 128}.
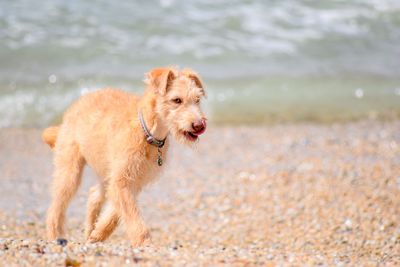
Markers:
{"x": 178, "y": 96}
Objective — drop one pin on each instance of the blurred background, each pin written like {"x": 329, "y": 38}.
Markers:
{"x": 319, "y": 191}
{"x": 262, "y": 61}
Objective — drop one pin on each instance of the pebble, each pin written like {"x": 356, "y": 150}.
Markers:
{"x": 62, "y": 242}
{"x": 293, "y": 202}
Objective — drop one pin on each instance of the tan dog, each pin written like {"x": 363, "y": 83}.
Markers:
{"x": 103, "y": 129}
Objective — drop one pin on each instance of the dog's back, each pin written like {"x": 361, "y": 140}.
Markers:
{"x": 91, "y": 112}
{"x": 92, "y": 122}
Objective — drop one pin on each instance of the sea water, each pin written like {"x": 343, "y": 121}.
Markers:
{"x": 261, "y": 61}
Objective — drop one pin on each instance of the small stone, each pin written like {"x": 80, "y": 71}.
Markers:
{"x": 348, "y": 223}
{"x": 39, "y": 250}
{"x": 72, "y": 262}
{"x": 3, "y": 247}
{"x": 62, "y": 242}
{"x": 136, "y": 259}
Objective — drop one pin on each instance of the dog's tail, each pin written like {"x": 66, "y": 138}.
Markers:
{"x": 49, "y": 135}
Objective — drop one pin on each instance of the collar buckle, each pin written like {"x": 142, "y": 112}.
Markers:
{"x": 155, "y": 142}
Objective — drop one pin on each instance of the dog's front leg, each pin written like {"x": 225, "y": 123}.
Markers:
{"x": 105, "y": 225}
{"x": 121, "y": 193}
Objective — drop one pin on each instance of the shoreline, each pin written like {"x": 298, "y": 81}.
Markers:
{"x": 304, "y": 194}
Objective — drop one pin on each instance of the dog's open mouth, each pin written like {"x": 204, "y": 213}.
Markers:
{"x": 199, "y": 128}
{"x": 190, "y": 136}
{"x": 193, "y": 136}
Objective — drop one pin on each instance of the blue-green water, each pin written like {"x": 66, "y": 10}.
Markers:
{"x": 262, "y": 61}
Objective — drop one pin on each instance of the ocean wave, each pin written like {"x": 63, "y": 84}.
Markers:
{"x": 225, "y": 40}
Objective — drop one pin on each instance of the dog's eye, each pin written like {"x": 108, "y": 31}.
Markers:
{"x": 197, "y": 101}
{"x": 177, "y": 100}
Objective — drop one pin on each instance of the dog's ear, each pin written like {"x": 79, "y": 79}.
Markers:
{"x": 195, "y": 78}
{"x": 160, "y": 79}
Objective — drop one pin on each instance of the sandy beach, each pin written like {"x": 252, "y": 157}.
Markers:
{"x": 284, "y": 195}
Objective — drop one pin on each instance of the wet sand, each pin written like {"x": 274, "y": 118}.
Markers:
{"x": 278, "y": 195}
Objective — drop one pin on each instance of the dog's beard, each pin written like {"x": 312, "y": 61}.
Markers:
{"x": 179, "y": 128}
{"x": 180, "y": 137}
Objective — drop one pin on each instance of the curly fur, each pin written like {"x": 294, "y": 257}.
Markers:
{"x": 102, "y": 130}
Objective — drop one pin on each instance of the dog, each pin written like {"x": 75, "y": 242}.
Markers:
{"x": 123, "y": 138}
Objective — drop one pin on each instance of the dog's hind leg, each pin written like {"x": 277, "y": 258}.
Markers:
{"x": 94, "y": 205}
{"x": 68, "y": 166}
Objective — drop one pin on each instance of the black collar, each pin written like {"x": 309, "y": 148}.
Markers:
{"x": 149, "y": 137}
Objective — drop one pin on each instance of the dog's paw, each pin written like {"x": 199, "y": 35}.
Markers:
{"x": 88, "y": 233}
{"x": 93, "y": 239}
{"x": 142, "y": 240}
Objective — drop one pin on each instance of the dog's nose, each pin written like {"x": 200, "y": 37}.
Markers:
{"x": 199, "y": 126}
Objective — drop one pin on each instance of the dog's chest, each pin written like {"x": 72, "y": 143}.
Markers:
{"x": 150, "y": 168}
